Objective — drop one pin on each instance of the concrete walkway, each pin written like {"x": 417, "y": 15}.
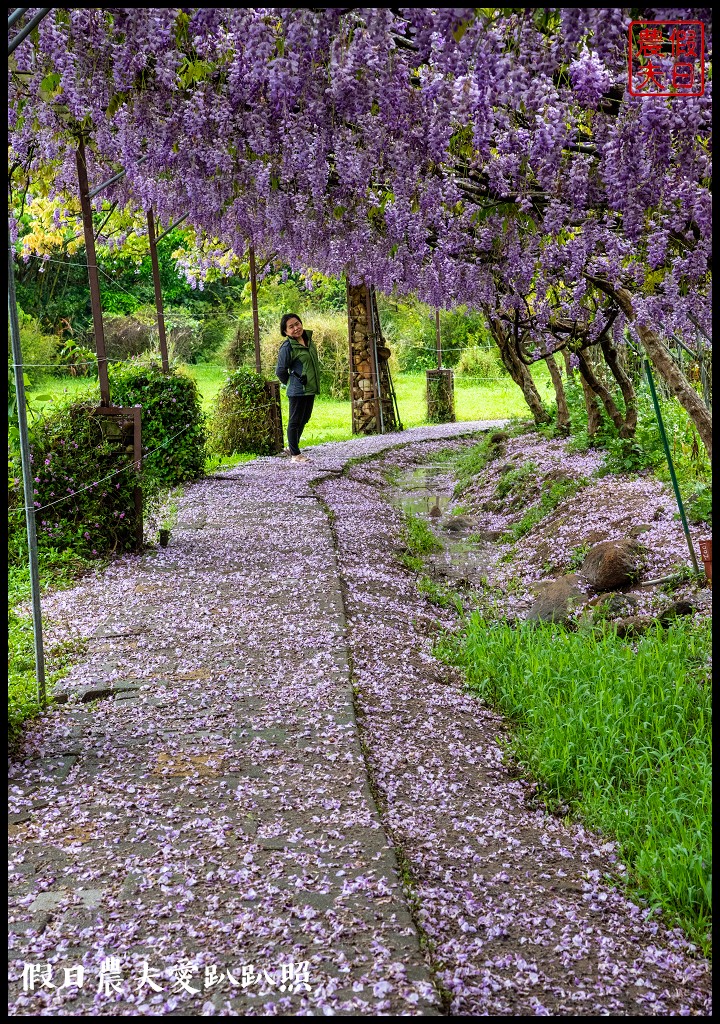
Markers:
{"x": 205, "y": 840}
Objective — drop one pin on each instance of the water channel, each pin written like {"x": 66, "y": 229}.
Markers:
{"x": 468, "y": 551}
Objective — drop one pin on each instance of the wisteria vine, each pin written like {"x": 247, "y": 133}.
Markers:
{"x": 493, "y": 158}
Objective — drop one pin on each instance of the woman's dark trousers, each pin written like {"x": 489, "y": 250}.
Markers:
{"x": 301, "y": 407}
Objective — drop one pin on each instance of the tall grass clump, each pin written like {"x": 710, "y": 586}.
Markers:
{"x": 622, "y": 733}
{"x": 418, "y": 536}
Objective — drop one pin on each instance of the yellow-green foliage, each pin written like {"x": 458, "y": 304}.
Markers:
{"x": 39, "y": 350}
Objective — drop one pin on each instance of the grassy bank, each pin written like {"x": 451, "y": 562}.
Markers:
{"x": 57, "y": 570}
{"x": 619, "y": 732}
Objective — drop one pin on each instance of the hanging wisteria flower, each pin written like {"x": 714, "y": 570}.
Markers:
{"x": 590, "y": 78}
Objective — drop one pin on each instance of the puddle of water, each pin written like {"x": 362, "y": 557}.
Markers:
{"x": 428, "y": 492}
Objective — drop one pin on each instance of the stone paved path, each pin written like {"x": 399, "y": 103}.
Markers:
{"x": 213, "y": 820}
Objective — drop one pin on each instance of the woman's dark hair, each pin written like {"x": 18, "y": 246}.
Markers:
{"x": 283, "y": 322}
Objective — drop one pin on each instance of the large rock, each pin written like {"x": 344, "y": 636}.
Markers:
{"x": 458, "y": 524}
{"x": 612, "y": 564}
{"x": 558, "y": 600}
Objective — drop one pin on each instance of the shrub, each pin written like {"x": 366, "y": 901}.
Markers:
{"x": 215, "y": 332}
{"x": 239, "y": 350}
{"x": 486, "y": 363}
{"x": 128, "y": 336}
{"x": 84, "y": 486}
{"x": 241, "y": 422}
{"x": 39, "y": 350}
{"x": 184, "y": 335}
{"x": 409, "y": 326}
{"x": 172, "y": 421}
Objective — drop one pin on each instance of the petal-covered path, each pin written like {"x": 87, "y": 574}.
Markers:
{"x": 288, "y": 806}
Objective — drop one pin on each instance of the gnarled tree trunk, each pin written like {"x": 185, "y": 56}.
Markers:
{"x": 517, "y": 370}
{"x": 612, "y": 358}
{"x": 563, "y": 413}
{"x": 625, "y": 427}
{"x": 664, "y": 365}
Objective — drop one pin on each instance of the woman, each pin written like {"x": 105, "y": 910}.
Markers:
{"x": 298, "y": 369}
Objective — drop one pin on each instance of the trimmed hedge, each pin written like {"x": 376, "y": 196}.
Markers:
{"x": 241, "y": 422}
{"x": 79, "y": 509}
{"x": 172, "y": 420}
{"x": 72, "y": 455}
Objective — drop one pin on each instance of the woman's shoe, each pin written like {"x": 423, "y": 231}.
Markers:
{"x": 299, "y": 458}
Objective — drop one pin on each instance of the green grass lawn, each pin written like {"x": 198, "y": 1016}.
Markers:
{"x": 331, "y": 418}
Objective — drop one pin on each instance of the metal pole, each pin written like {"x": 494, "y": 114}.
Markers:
{"x": 256, "y": 318}
{"x": 16, "y": 15}
{"x": 162, "y": 337}
{"x": 92, "y": 273}
{"x": 27, "y": 29}
{"x": 172, "y": 226}
{"x": 438, "y": 345}
{"x": 353, "y": 418}
{"x": 27, "y": 480}
{"x": 671, "y": 467}
{"x": 373, "y": 361}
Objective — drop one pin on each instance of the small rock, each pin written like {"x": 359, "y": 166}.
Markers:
{"x": 489, "y": 535}
{"x": 47, "y": 901}
{"x": 557, "y": 600}
{"x": 633, "y": 625}
{"x": 658, "y": 513}
{"x": 635, "y": 531}
{"x": 673, "y": 611}
{"x": 613, "y": 605}
{"x": 611, "y": 564}
{"x": 457, "y": 524}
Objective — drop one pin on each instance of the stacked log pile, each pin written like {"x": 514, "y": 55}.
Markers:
{"x": 373, "y": 411}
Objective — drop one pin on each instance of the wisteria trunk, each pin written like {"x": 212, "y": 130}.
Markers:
{"x": 624, "y": 426}
{"x": 592, "y": 408}
{"x": 563, "y": 413}
{"x": 373, "y": 411}
{"x": 665, "y": 366}
{"x": 678, "y": 385}
{"x": 518, "y": 371}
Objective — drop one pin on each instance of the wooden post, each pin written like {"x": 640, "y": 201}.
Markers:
{"x": 256, "y": 318}
{"x": 95, "y": 306}
{"x": 438, "y": 344}
{"x": 158, "y": 293}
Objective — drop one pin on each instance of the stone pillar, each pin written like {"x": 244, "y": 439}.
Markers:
{"x": 373, "y": 410}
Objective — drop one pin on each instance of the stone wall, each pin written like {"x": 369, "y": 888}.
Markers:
{"x": 373, "y": 411}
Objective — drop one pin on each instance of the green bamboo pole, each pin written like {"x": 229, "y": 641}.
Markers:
{"x": 671, "y": 467}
